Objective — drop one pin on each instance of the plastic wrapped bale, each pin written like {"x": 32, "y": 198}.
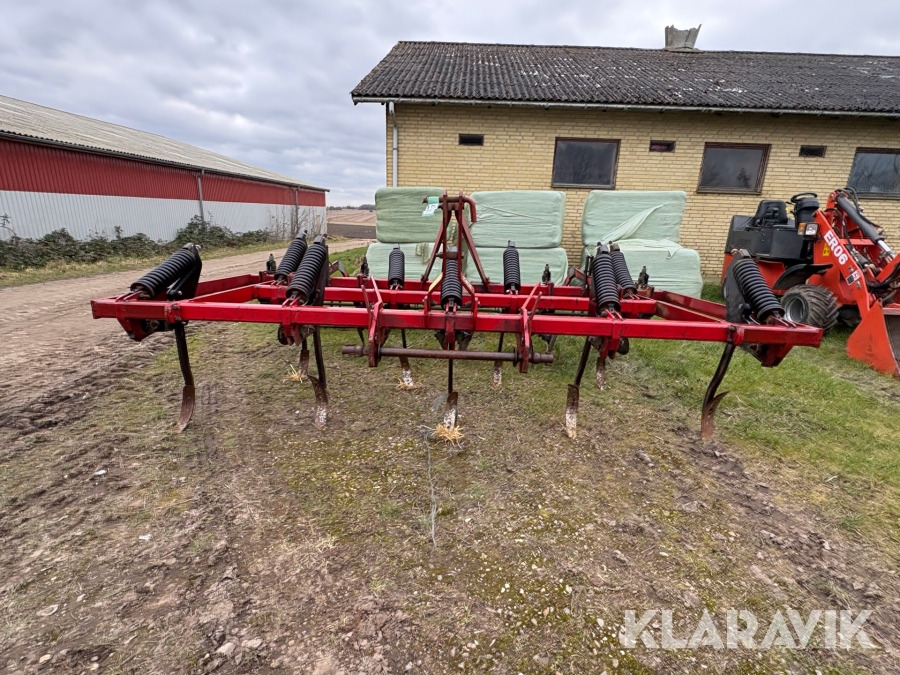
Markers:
{"x": 415, "y": 259}
{"x": 531, "y": 218}
{"x": 398, "y": 215}
{"x": 531, "y": 264}
{"x": 670, "y": 266}
{"x": 613, "y": 215}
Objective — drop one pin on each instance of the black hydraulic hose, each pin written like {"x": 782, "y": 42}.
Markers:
{"x": 866, "y": 226}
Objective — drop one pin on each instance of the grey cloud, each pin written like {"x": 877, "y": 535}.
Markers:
{"x": 268, "y": 82}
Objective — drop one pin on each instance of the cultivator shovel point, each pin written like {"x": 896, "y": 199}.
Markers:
{"x": 188, "y": 395}
{"x": 406, "y": 379}
{"x": 711, "y": 399}
{"x": 606, "y": 311}
{"x": 451, "y": 413}
{"x": 303, "y": 364}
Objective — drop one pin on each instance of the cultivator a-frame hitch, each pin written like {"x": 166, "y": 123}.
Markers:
{"x": 607, "y": 309}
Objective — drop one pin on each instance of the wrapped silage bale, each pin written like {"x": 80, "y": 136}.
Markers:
{"x": 671, "y": 267}
{"x": 613, "y": 215}
{"x": 531, "y": 264}
{"x": 415, "y": 259}
{"x": 531, "y": 218}
{"x": 399, "y": 215}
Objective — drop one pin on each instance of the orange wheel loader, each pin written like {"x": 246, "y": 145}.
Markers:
{"x": 827, "y": 265}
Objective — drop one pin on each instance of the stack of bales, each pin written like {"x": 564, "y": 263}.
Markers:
{"x": 399, "y": 220}
{"x": 645, "y": 225}
{"x": 533, "y": 219}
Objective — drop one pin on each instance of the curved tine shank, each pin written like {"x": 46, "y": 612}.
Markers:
{"x": 711, "y": 400}
{"x": 188, "y": 394}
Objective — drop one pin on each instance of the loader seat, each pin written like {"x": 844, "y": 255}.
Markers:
{"x": 771, "y": 213}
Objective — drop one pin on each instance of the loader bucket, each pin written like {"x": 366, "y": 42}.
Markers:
{"x": 876, "y": 339}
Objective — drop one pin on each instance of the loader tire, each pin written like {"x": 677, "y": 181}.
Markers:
{"x": 812, "y": 305}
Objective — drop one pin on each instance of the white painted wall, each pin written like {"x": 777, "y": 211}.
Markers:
{"x": 34, "y": 214}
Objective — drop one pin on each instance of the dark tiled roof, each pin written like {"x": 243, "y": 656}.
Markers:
{"x": 766, "y": 81}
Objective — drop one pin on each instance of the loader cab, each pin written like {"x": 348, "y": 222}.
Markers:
{"x": 769, "y": 234}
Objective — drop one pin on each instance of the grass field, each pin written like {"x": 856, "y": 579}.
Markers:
{"x": 369, "y": 548}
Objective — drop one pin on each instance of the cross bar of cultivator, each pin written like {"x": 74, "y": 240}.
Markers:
{"x": 607, "y": 308}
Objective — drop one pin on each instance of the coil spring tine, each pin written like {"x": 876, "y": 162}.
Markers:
{"x": 188, "y": 394}
{"x": 451, "y": 413}
{"x": 572, "y": 411}
{"x": 601, "y": 372}
{"x": 406, "y": 378}
{"x": 320, "y": 418}
{"x": 497, "y": 377}
{"x": 320, "y": 387}
{"x": 551, "y": 343}
{"x": 303, "y": 366}
{"x": 574, "y": 393}
{"x": 711, "y": 399}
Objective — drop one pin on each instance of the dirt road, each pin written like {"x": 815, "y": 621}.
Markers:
{"x": 48, "y": 336}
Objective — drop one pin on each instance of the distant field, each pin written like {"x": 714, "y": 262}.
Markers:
{"x": 351, "y": 217}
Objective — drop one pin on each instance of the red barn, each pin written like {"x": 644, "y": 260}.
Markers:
{"x": 93, "y": 178}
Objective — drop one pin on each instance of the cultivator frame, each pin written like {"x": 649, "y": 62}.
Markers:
{"x": 451, "y": 306}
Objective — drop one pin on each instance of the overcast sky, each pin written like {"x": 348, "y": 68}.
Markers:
{"x": 268, "y": 82}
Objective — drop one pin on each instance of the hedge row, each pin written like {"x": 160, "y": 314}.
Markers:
{"x": 17, "y": 253}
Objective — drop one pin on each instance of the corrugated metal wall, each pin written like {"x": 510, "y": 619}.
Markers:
{"x": 44, "y": 188}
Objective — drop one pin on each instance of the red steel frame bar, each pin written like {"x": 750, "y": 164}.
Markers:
{"x": 687, "y": 318}
{"x": 370, "y": 305}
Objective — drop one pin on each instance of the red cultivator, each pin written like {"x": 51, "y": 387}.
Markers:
{"x": 607, "y": 310}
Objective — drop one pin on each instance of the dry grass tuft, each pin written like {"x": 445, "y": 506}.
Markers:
{"x": 447, "y": 434}
{"x": 296, "y": 376}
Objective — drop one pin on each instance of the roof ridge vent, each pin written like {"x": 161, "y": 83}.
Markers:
{"x": 681, "y": 40}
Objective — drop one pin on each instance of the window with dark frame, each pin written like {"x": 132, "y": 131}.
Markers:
{"x": 812, "y": 150}
{"x": 662, "y": 146}
{"x": 579, "y": 162}
{"x": 471, "y": 139}
{"x": 876, "y": 172}
{"x": 731, "y": 167}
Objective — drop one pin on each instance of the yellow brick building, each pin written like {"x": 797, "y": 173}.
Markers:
{"x": 486, "y": 139}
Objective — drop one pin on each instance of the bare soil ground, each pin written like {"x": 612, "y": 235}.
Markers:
{"x": 253, "y": 543}
{"x": 48, "y": 337}
{"x": 353, "y": 223}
